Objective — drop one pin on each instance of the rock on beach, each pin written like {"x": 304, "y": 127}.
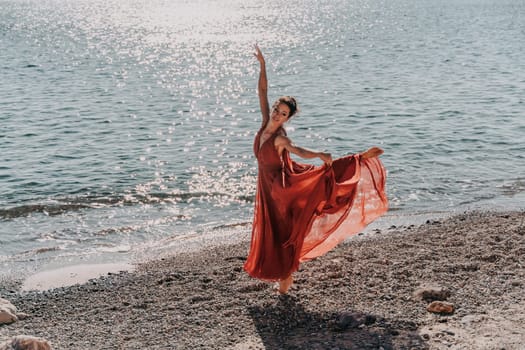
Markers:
{"x": 440, "y": 307}
{"x": 7, "y": 312}
{"x": 432, "y": 293}
{"x": 25, "y": 342}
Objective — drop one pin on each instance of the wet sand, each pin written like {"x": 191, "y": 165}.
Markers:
{"x": 71, "y": 275}
{"x": 361, "y": 295}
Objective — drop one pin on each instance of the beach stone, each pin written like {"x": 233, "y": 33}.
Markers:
{"x": 22, "y": 315}
{"x": 253, "y": 287}
{"x": 440, "y": 307}
{"x": 7, "y": 312}
{"x": 431, "y": 293}
{"x": 25, "y": 342}
{"x": 348, "y": 320}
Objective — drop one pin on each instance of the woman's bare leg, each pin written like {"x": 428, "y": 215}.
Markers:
{"x": 285, "y": 284}
{"x": 372, "y": 152}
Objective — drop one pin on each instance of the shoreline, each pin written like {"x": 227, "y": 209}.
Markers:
{"x": 30, "y": 277}
{"x": 358, "y": 296}
{"x": 14, "y": 278}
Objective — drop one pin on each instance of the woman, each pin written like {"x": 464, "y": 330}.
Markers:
{"x": 302, "y": 211}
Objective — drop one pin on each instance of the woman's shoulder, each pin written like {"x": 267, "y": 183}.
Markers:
{"x": 281, "y": 132}
{"x": 281, "y": 137}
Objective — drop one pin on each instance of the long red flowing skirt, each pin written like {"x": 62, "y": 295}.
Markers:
{"x": 303, "y": 211}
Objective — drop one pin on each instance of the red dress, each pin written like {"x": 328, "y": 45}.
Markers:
{"x": 302, "y": 211}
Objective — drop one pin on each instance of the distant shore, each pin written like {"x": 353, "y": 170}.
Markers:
{"x": 362, "y": 295}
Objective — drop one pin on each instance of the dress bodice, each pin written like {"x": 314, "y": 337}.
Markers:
{"x": 266, "y": 154}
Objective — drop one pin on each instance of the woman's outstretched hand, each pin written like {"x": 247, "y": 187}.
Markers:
{"x": 372, "y": 153}
{"x": 326, "y": 158}
{"x": 258, "y": 54}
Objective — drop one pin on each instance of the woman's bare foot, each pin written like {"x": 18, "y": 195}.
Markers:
{"x": 285, "y": 284}
{"x": 372, "y": 152}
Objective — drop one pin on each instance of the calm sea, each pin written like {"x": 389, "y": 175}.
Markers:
{"x": 126, "y": 126}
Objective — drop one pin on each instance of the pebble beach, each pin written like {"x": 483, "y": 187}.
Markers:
{"x": 372, "y": 292}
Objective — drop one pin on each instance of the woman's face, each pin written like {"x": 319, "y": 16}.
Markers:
{"x": 280, "y": 113}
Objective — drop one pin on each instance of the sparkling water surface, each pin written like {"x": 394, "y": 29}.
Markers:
{"x": 127, "y": 126}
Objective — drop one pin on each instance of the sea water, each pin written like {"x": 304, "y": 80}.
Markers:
{"x": 126, "y": 126}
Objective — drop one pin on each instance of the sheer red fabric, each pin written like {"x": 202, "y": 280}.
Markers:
{"x": 303, "y": 211}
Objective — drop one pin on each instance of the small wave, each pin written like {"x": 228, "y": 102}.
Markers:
{"x": 48, "y": 209}
{"x": 127, "y": 229}
{"x": 238, "y": 224}
{"x": 65, "y": 205}
{"x": 29, "y": 254}
{"x": 113, "y": 230}
{"x": 513, "y": 188}
{"x": 43, "y": 250}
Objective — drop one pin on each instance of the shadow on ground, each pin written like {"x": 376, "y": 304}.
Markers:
{"x": 287, "y": 325}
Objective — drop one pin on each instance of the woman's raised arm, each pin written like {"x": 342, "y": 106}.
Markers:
{"x": 262, "y": 87}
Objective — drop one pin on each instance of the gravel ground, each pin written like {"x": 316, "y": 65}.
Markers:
{"x": 360, "y": 296}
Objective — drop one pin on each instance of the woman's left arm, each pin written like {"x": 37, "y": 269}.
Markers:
{"x": 284, "y": 143}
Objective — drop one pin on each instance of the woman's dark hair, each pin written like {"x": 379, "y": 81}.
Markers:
{"x": 290, "y": 102}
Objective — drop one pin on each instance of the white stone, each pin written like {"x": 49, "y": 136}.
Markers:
{"x": 7, "y": 304}
{"x": 7, "y": 312}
